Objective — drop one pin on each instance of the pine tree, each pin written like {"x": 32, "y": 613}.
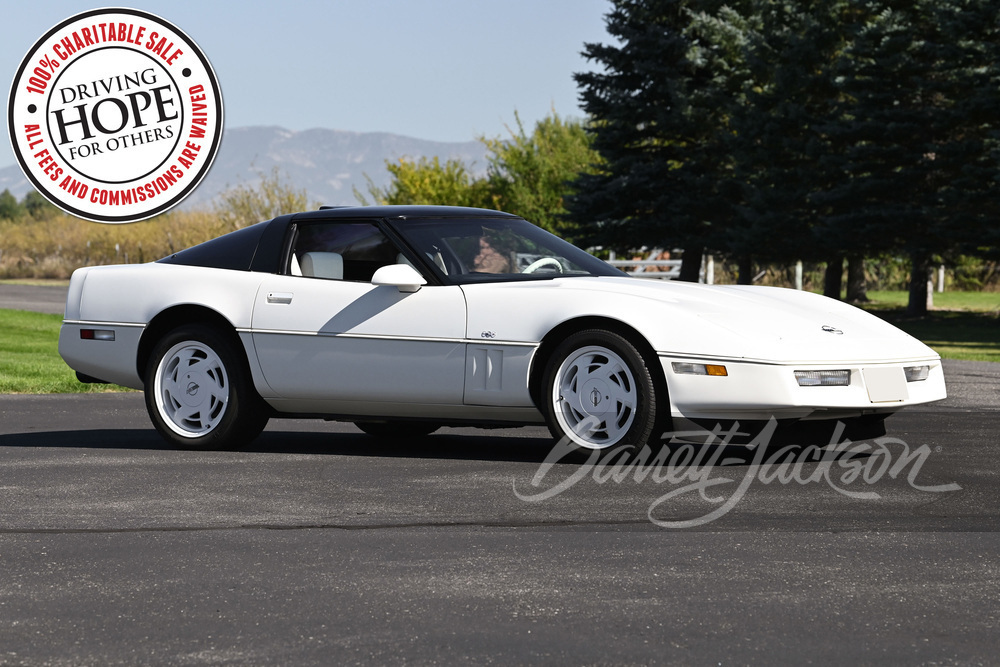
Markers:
{"x": 781, "y": 154}
{"x": 658, "y": 109}
{"x": 914, "y": 121}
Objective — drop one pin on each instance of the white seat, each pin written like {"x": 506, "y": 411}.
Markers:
{"x": 329, "y": 265}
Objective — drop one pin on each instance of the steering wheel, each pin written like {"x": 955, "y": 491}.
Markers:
{"x": 544, "y": 261}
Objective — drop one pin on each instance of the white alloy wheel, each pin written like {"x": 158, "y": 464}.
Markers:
{"x": 600, "y": 391}
{"x": 191, "y": 389}
{"x": 200, "y": 392}
{"x": 595, "y": 397}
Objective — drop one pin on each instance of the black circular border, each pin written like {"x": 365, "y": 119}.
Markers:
{"x": 198, "y": 176}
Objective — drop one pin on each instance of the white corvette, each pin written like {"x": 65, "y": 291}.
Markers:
{"x": 404, "y": 319}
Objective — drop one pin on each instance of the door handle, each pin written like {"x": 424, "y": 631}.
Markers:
{"x": 279, "y": 297}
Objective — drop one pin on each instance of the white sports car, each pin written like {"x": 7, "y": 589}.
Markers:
{"x": 404, "y": 319}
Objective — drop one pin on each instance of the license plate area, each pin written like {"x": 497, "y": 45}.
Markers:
{"x": 886, "y": 384}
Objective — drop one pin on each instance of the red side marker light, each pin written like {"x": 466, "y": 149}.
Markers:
{"x": 97, "y": 334}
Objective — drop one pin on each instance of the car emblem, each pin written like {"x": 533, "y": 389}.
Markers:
{"x": 834, "y": 330}
{"x": 192, "y": 388}
{"x": 595, "y": 397}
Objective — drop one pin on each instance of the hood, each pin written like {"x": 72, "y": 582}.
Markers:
{"x": 781, "y": 324}
{"x": 725, "y": 321}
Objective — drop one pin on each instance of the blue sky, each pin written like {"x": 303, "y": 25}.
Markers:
{"x": 444, "y": 70}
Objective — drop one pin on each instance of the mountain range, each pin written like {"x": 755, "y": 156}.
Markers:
{"x": 327, "y": 164}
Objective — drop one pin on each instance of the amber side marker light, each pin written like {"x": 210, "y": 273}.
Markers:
{"x": 683, "y": 368}
{"x": 97, "y": 334}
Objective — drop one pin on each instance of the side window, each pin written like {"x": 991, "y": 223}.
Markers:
{"x": 341, "y": 251}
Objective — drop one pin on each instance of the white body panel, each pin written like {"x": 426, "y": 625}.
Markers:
{"x": 761, "y": 391}
{"x": 761, "y": 334}
{"x": 111, "y": 361}
{"x": 346, "y": 341}
{"x": 129, "y": 297}
{"x": 767, "y": 324}
{"x": 449, "y": 352}
{"x": 138, "y": 292}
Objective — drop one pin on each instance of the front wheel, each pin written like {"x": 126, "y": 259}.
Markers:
{"x": 599, "y": 392}
{"x": 199, "y": 393}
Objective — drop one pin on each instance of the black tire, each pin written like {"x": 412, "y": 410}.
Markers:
{"x": 398, "y": 429}
{"x": 600, "y": 392}
{"x": 199, "y": 391}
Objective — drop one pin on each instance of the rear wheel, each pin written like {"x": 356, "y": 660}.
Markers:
{"x": 599, "y": 392}
{"x": 199, "y": 393}
{"x": 398, "y": 429}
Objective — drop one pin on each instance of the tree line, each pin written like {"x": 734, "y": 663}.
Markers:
{"x": 527, "y": 173}
{"x": 819, "y": 130}
{"x": 37, "y": 240}
{"x": 768, "y": 131}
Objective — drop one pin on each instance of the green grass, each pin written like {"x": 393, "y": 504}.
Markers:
{"x": 29, "y": 357}
{"x": 970, "y": 335}
{"x": 975, "y": 301}
{"x": 963, "y": 325}
{"x": 39, "y": 282}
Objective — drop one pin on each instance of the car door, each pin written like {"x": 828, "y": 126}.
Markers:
{"x": 326, "y": 335}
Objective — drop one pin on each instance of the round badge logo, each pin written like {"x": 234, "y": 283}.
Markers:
{"x": 115, "y": 115}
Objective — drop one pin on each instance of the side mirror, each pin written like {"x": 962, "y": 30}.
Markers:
{"x": 401, "y": 276}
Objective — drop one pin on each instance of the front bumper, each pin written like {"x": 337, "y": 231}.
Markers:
{"x": 761, "y": 390}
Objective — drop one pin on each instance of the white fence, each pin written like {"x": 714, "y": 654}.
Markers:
{"x": 661, "y": 269}
{"x": 670, "y": 269}
{"x": 666, "y": 269}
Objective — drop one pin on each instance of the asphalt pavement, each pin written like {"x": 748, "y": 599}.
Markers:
{"x": 36, "y": 298}
{"x": 318, "y": 545}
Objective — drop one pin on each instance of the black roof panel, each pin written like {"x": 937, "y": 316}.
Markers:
{"x": 233, "y": 251}
{"x": 401, "y": 212}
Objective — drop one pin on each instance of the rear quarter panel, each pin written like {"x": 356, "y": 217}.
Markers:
{"x": 126, "y": 298}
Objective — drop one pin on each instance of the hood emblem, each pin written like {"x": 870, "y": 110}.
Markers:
{"x": 834, "y": 330}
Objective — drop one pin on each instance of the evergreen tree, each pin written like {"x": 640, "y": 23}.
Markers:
{"x": 916, "y": 83}
{"x": 781, "y": 154}
{"x": 788, "y": 129}
{"x": 659, "y": 107}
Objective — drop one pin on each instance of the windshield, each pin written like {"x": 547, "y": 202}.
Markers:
{"x": 497, "y": 249}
